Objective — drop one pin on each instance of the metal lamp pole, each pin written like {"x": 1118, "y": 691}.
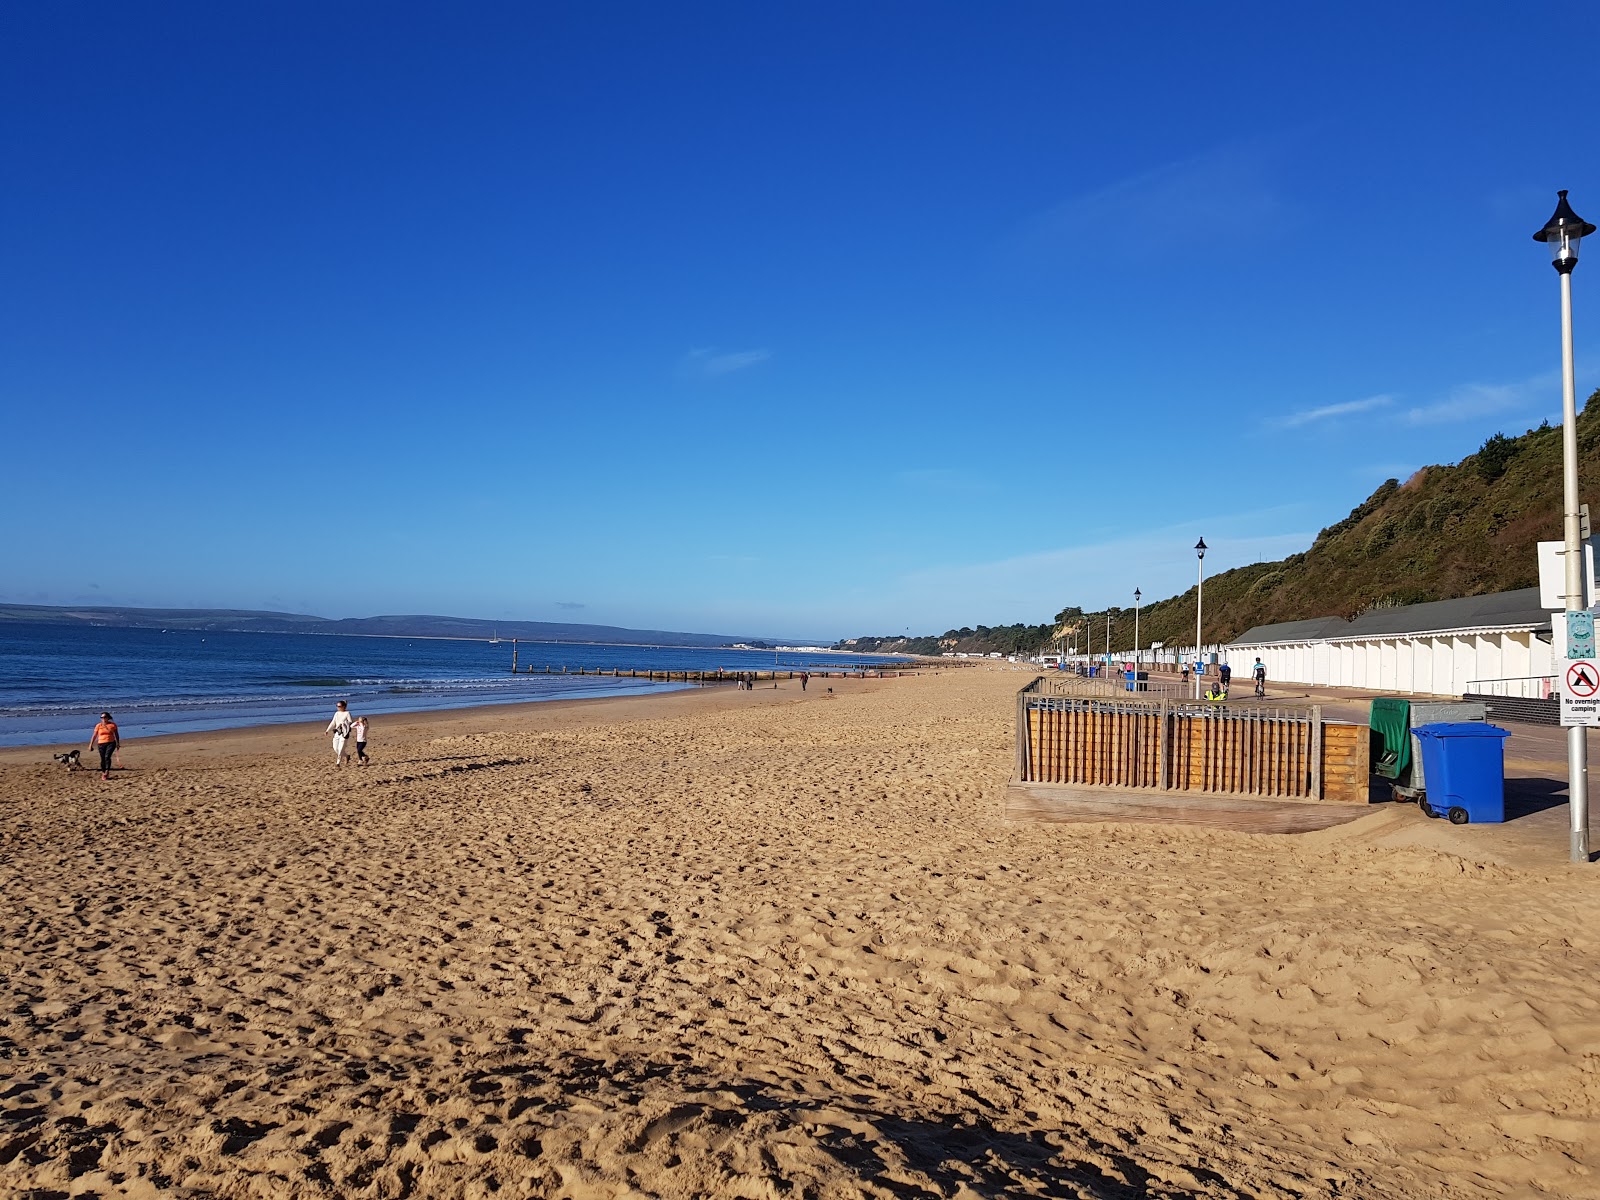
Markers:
{"x": 1562, "y": 232}
{"x": 1199, "y": 609}
{"x": 1136, "y": 639}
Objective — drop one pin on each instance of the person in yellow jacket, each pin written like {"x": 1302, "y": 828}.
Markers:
{"x": 105, "y": 739}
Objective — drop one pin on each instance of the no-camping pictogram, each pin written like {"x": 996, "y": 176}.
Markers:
{"x": 1582, "y": 680}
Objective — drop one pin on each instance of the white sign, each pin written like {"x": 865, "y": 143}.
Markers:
{"x": 1553, "y": 575}
{"x": 1579, "y": 680}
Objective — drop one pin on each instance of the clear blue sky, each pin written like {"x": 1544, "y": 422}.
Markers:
{"x": 815, "y": 319}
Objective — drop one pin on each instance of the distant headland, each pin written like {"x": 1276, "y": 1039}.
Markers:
{"x": 234, "y": 620}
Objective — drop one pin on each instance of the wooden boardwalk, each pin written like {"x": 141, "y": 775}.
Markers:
{"x": 1057, "y": 803}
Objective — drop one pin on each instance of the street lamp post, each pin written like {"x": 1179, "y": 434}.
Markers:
{"x": 1199, "y": 610}
{"x": 1562, "y": 232}
{"x": 1136, "y": 639}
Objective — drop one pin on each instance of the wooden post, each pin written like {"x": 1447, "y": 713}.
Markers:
{"x": 513, "y": 656}
{"x": 1023, "y": 765}
{"x": 1164, "y": 732}
{"x": 1316, "y": 752}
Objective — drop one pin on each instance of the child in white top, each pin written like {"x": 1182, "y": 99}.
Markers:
{"x": 358, "y": 730}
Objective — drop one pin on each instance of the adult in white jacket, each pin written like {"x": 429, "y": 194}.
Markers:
{"x": 340, "y": 728}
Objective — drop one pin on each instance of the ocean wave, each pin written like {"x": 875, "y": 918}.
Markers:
{"x": 456, "y": 688}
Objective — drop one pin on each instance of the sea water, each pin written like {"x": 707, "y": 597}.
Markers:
{"x": 56, "y": 680}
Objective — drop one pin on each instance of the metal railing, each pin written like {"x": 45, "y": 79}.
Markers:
{"x": 1522, "y": 687}
{"x": 1067, "y": 683}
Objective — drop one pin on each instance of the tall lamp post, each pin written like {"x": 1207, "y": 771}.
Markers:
{"x": 1199, "y": 609}
{"x": 1136, "y": 594}
{"x": 1562, "y": 232}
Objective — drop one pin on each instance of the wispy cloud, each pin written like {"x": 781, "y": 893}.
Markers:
{"x": 710, "y": 363}
{"x": 1224, "y": 194}
{"x": 1475, "y": 401}
{"x": 1329, "y": 411}
{"x": 570, "y": 604}
{"x": 1162, "y": 563}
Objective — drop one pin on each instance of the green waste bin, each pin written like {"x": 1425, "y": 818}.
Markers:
{"x": 1390, "y": 720}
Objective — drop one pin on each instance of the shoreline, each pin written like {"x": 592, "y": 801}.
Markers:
{"x": 161, "y": 684}
{"x": 640, "y": 706}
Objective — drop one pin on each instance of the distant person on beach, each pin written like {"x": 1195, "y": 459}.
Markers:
{"x": 1225, "y": 673}
{"x": 107, "y": 740}
{"x": 358, "y": 730}
{"x": 1186, "y": 673}
{"x": 340, "y": 728}
{"x": 804, "y": 679}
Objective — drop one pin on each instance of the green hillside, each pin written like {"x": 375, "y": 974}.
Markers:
{"x": 1448, "y": 531}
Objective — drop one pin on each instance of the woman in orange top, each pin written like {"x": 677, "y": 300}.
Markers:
{"x": 106, "y": 740}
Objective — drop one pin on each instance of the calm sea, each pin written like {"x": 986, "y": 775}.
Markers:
{"x": 55, "y": 681}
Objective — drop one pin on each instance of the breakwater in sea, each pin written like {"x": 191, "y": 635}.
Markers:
{"x": 54, "y": 679}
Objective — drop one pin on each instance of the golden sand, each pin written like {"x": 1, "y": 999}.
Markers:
{"x": 756, "y": 945}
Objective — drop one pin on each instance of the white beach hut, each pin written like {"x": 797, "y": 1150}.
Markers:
{"x": 1497, "y": 645}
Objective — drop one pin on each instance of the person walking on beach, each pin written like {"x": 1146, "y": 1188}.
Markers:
{"x": 340, "y": 728}
{"x": 358, "y": 730}
{"x": 804, "y": 679}
{"x": 107, "y": 740}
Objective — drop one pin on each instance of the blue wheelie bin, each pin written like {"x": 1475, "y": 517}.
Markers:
{"x": 1464, "y": 765}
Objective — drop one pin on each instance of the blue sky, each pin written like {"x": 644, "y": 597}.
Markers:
{"x": 788, "y": 319}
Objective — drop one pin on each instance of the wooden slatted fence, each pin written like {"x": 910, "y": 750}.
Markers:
{"x": 1277, "y": 752}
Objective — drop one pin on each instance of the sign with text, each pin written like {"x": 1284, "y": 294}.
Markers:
{"x": 1579, "y": 680}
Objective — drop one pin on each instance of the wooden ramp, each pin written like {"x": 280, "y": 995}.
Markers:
{"x": 1053, "y": 802}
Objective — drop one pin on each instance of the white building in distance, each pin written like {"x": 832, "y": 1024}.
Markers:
{"x": 1485, "y": 645}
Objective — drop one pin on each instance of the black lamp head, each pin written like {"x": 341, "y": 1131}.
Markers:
{"x": 1200, "y": 548}
{"x": 1562, "y": 232}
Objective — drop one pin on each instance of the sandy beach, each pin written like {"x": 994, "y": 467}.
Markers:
{"x": 755, "y": 945}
